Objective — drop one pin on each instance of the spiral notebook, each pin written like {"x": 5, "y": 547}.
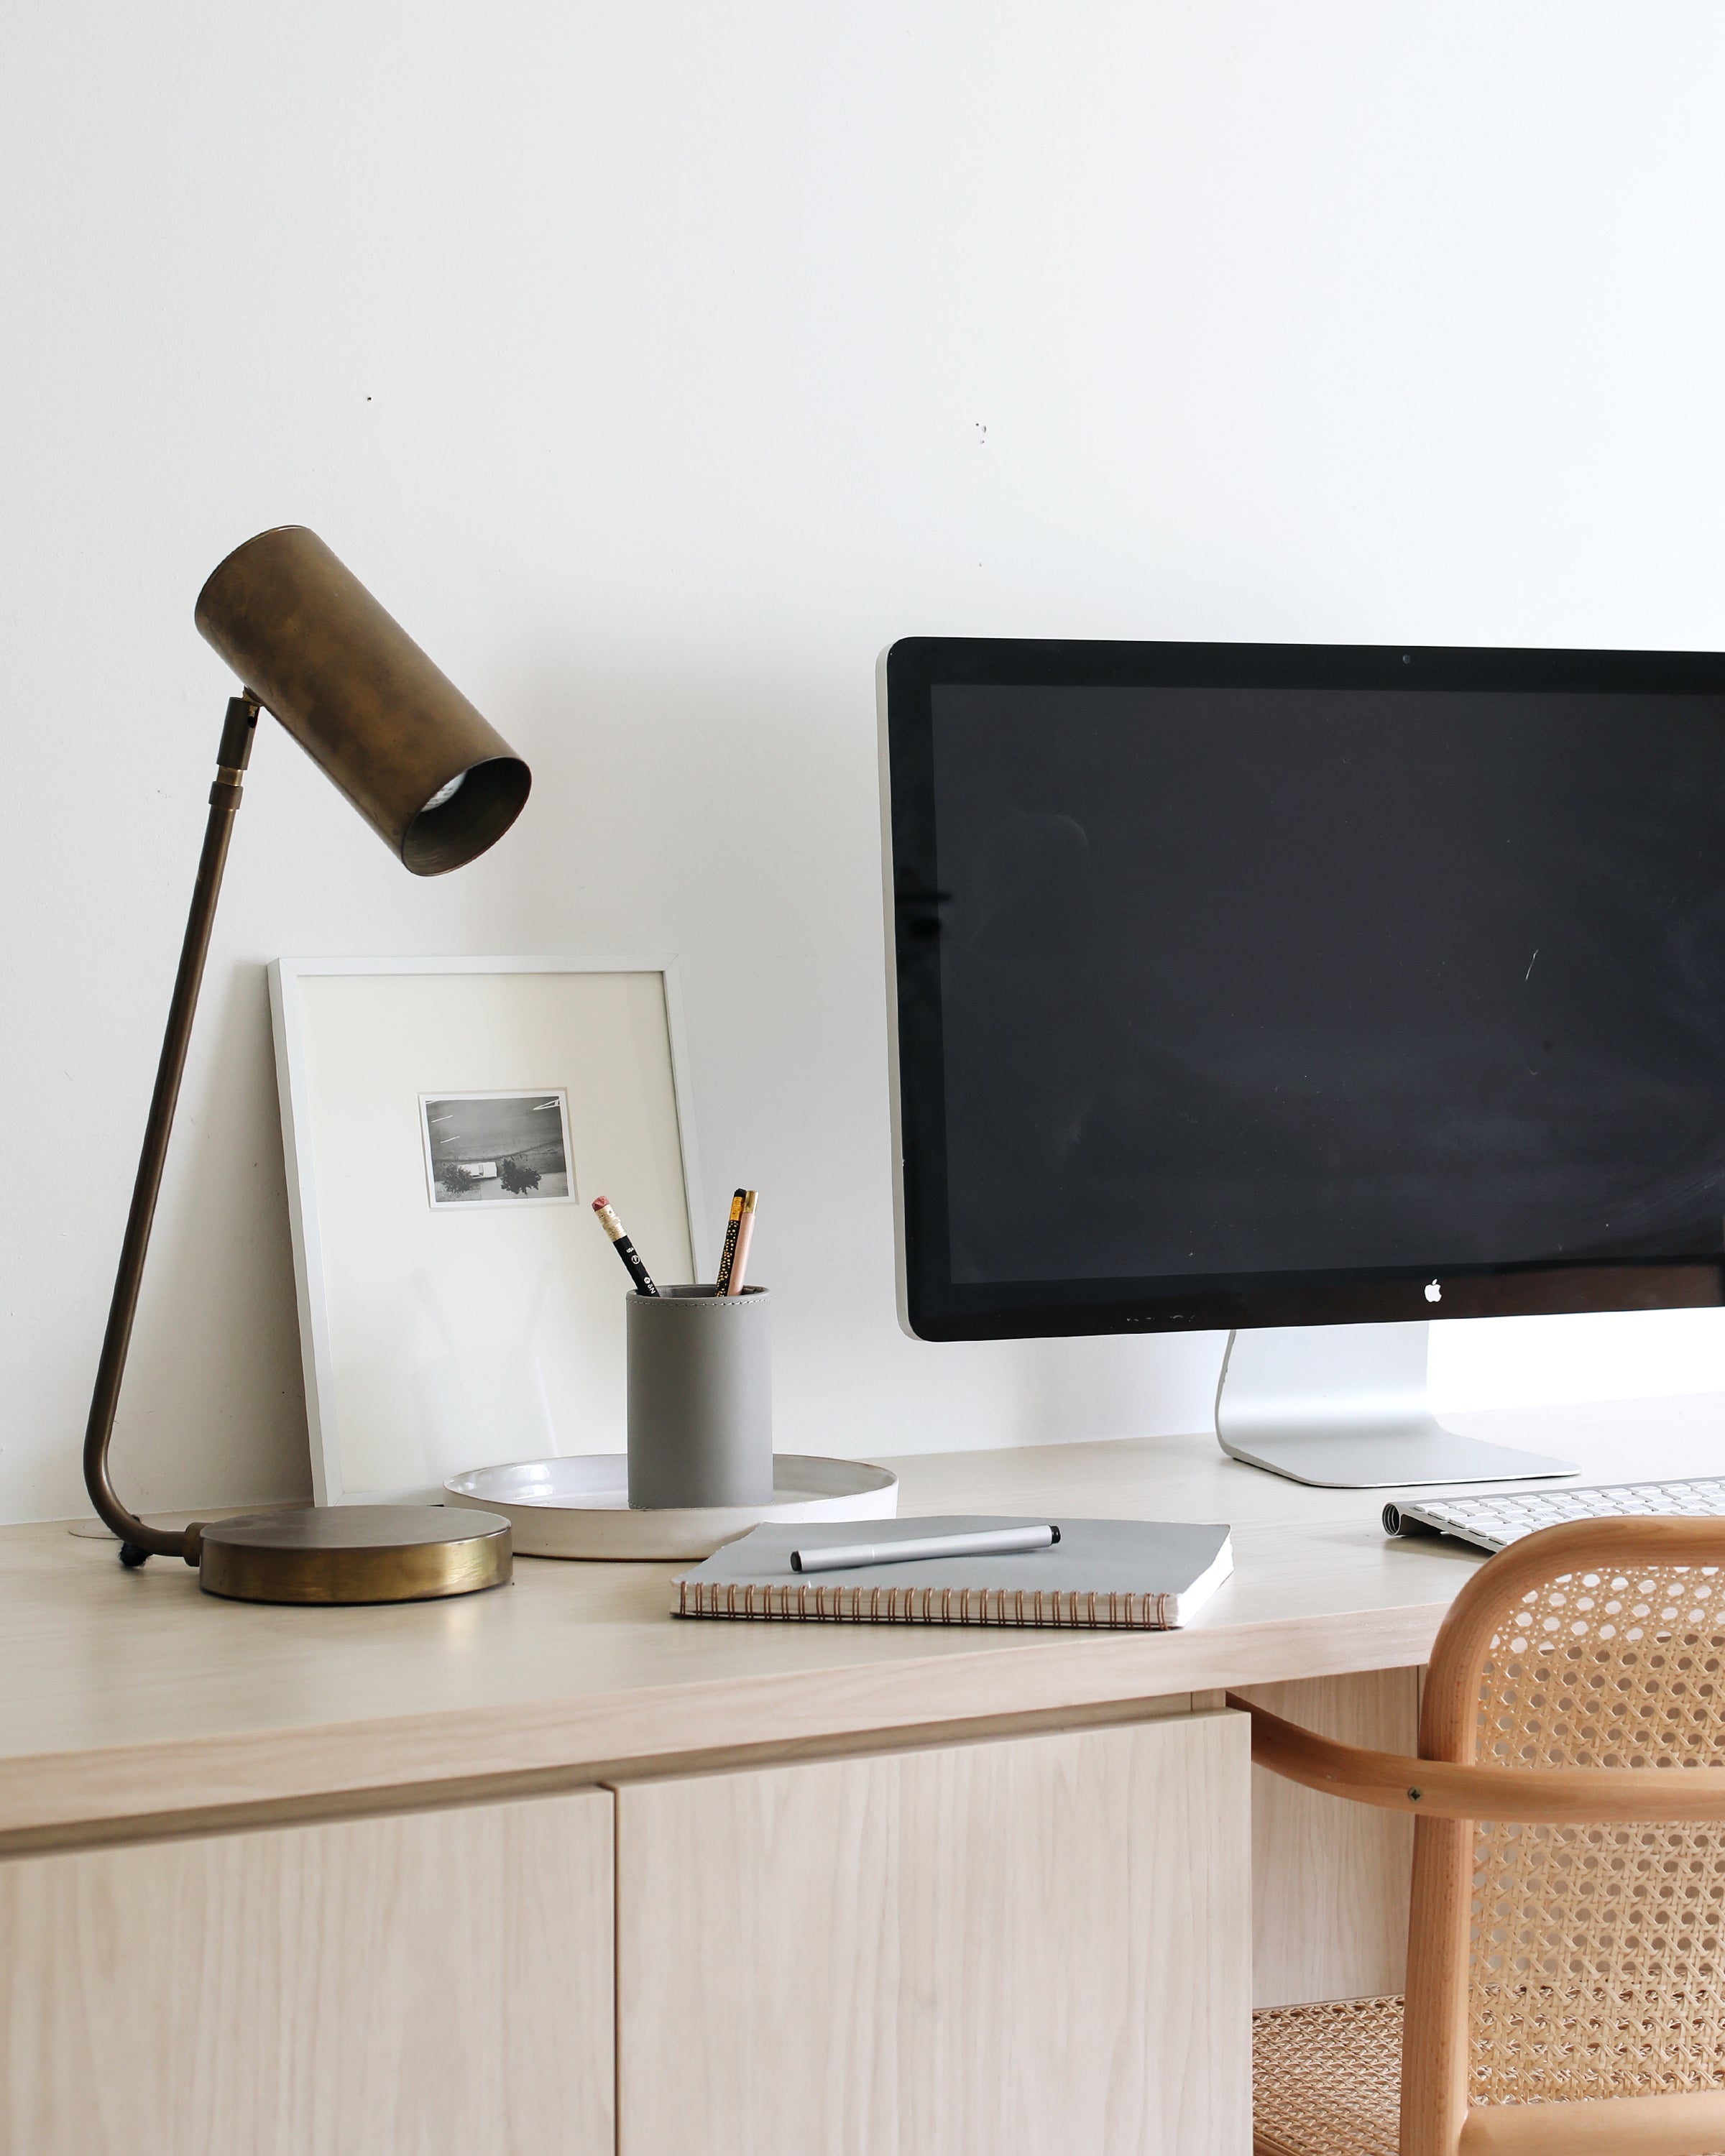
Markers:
{"x": 1103, "y": 1575}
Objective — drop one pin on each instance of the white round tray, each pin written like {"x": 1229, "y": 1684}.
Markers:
{"x": 579, "y": 1506}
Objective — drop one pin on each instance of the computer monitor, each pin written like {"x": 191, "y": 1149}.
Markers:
{"x": 1305, "y": 992}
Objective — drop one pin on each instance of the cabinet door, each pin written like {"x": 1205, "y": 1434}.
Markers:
{"x": 1038, "y": 1945}
{"x": 427, "y": 1983}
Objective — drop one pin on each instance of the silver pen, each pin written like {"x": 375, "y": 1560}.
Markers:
{"x": 985, "y": 1542}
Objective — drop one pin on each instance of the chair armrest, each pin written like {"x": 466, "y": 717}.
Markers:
{"x": 1436, "y": 1789}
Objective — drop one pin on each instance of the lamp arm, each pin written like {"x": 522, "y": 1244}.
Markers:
{"x": 136, "y": 1541}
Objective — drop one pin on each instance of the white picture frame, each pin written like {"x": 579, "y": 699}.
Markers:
{"x": 493, "y": 1327}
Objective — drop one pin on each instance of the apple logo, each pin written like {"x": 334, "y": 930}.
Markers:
{"x": 1434, "y": 1293}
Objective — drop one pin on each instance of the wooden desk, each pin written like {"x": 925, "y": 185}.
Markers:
{"x": 545, "y": 1870}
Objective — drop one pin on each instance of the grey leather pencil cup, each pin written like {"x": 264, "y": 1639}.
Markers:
{"x": 700, "y": 1398}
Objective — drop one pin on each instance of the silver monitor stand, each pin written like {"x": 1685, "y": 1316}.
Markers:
{"x": 1345, "y": 1406}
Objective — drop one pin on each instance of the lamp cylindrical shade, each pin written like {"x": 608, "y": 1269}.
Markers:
{"x": 436, "y": 782}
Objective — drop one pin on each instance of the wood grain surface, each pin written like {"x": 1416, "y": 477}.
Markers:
{"x": 1330, "y": 1880}
{"x": 436, "y": 1985}
{"x": 994, "y": 1949}
{"x": 132, "y": 1701}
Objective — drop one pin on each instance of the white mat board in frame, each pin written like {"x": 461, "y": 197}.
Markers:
{"x": 439, "y": 1337}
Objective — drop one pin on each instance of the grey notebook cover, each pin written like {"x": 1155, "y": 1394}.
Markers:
{"x": 1100, "y": 1558}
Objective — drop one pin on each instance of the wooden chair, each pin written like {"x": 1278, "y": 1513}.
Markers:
{"x": 1566, "y": 1949}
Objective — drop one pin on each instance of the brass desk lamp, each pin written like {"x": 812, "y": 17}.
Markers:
{"x": 439, "y": 786}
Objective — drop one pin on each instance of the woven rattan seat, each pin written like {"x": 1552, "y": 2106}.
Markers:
{"x": 1326, "y": 2079}
{"x": 1566, "y": 1948}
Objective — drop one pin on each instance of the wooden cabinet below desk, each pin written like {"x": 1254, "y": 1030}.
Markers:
{"x": 1001, "y": 1948}
{"x": 1330, "y": 1880}
{"x": 431, "y": 1984}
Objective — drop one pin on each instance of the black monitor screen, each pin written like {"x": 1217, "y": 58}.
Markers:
{"x": 1218, "y": 988}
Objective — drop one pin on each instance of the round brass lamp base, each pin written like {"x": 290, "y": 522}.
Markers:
{"x": 354, "y": 1553}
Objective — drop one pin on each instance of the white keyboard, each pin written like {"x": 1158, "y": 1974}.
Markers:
{"x": 1495, "y": 1518}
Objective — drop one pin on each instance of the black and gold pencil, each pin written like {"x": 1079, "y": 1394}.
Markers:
{"x": 740, "y": 1258}
{"x": 728, "y": 1256}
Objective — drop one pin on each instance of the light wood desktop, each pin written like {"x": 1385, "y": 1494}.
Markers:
{"x": 543, "y": 1869}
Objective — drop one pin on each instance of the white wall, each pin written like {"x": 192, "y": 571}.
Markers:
{"x": 641, "y": 358}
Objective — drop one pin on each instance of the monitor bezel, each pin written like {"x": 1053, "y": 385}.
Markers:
{"x": 931, "y": 1305}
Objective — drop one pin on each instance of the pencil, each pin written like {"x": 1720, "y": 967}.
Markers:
{"x": 728, "y": 1255}
{"x": 625, "y": 1249}
{"x": 745, "y": 1230}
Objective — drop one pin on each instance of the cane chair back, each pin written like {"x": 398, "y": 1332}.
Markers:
{"x": 1564, "y": 1961}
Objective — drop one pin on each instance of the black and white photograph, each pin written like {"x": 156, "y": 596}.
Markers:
{"x": 497, "y": 1148}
